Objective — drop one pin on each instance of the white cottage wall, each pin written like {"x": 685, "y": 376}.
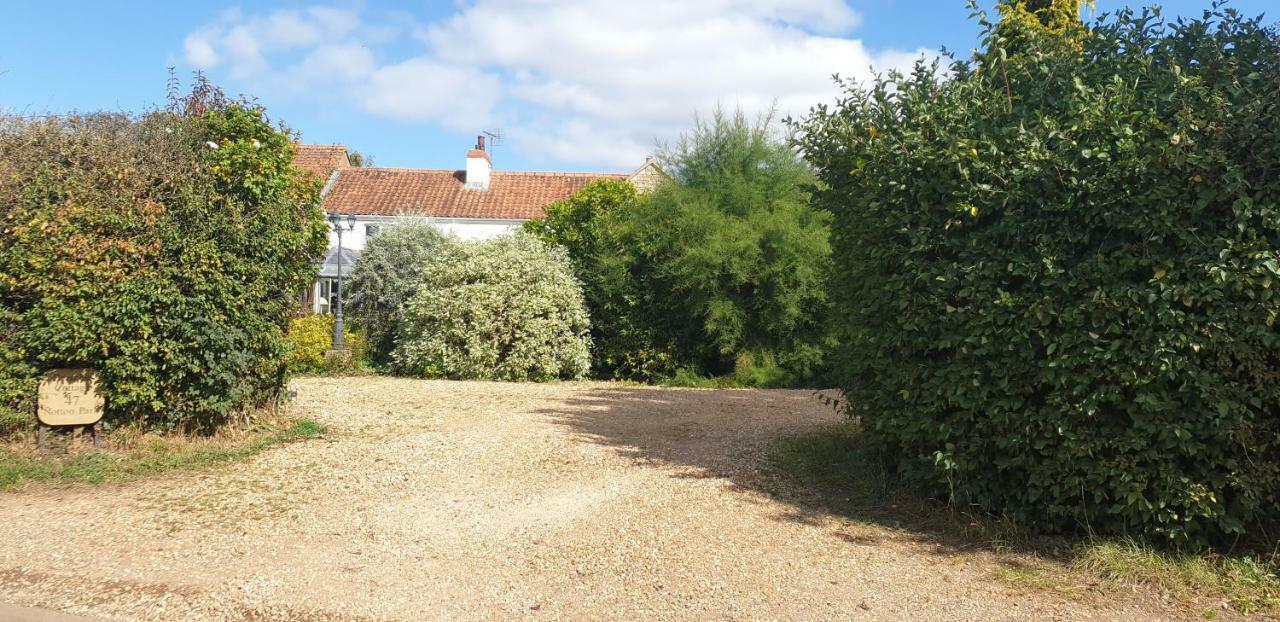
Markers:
{"x": 357, "y": 238}
{"x": 465, "y": 228}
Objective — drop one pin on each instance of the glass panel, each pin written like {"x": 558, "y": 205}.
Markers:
{"x": 327, "y": 287}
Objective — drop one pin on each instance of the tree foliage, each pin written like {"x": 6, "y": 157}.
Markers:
{"x": 162, "y": 250}
{"x": 1044, "y": 21}
{"x": 1056, "y": 274}
{"x": 623, "y": 347}
{"x": 722, "y": 270}
{"x": 502, "y": 309}
{"x": 386, "y": 277}
{"x": 729, "y": 262}
{"x": 575, "y": 222}
{"x": 359, "y": 159}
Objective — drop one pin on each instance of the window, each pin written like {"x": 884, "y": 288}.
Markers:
{"x": 326, "y": 290}
{"x": 371, "y": 230}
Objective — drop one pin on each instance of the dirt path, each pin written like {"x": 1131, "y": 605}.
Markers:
{"x": 443, "y": 500}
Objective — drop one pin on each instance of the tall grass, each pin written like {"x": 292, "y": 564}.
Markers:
{"x": 1249, "y": 584}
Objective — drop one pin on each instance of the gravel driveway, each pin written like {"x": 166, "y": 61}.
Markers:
{"x": 456, "y": 500}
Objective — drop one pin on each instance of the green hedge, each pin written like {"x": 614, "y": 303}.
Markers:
{"x": 17, "y": 378}
{"x": 163, "y": 250}
{"x": 1056, "y": 275}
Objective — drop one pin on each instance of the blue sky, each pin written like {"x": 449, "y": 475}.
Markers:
{"x": 573, "y": 84}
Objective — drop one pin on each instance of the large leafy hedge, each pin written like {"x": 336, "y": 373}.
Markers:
{"x": 502, "y": 309}
{"x": 1057, "y": 271}
{"x": 164, "y": 251}
{"x": 17, "y": 376}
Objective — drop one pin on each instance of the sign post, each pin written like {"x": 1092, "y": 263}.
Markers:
{"x": 70, "y": 397}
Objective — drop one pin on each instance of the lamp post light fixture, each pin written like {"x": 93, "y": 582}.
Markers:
{"x": 340, "y": 224}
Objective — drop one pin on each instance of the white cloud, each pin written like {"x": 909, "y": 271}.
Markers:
{"x": 249, "y": 44}
{"x": 199, "y": 52}
{"x": 341, "y": 63}
{"x": 244, "y": 49}
{"x": 334, "y": 21}
{"x": 586, "y": 82}
{"x": 421, "y": 89}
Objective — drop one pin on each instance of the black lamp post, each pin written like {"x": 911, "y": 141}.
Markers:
{"x": 340, "y": 224}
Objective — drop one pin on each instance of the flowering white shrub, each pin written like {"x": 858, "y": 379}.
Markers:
{"x": 502, "y": 309}
{"x": 386, "y": 277}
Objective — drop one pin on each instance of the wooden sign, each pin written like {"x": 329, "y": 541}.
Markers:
{"x": 70, "y": 397}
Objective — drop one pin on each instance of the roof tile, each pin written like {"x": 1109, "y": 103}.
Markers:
{"x": 441, "y": 194}
{"x": 321, "y": 160}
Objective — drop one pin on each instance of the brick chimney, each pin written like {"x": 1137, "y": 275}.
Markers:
{"x": 479, "y": 167}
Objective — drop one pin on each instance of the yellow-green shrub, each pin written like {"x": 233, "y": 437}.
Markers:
{"x": 310, "y": 337}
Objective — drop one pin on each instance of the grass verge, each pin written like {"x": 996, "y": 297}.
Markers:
{"x": 1247, "y": 584}
{"x": 834, "y": 465}
{"x": 129, "y": 457}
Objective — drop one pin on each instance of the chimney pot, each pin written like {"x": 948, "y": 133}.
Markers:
{"x": 480, "y": 142}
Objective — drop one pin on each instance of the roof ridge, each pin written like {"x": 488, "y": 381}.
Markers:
{"x": 404, "y": 169}
{"x": 553, "y": 173}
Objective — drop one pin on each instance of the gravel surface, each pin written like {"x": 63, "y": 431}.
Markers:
{"x": 458, "y": 500}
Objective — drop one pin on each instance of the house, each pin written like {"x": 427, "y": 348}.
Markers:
{"x": 474, "y": 203}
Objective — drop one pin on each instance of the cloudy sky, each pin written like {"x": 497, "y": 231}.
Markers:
{"x": 571, "y": 84}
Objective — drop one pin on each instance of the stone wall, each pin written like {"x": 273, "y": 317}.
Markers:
{"x": 647, "y": 177}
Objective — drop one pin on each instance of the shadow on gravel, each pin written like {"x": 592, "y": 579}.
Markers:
{"x": 761, "y": 441}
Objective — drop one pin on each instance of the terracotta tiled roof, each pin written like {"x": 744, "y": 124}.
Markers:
{"x": 321, "y": 160}
{"x": 437, "y": 193}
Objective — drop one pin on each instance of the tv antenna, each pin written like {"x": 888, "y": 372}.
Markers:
{"x": 494, "y": 138}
